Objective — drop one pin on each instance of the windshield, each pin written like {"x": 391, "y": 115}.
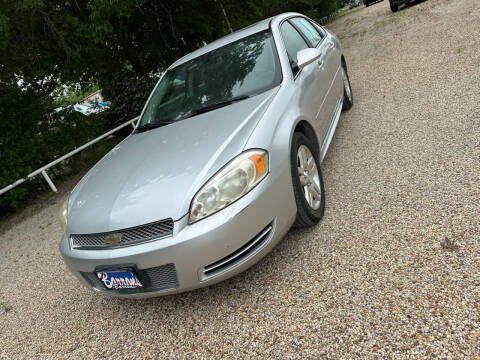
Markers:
{"x": 220, "y": 77}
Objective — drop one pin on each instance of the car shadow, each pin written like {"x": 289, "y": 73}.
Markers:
{"x": 262, "y": 280}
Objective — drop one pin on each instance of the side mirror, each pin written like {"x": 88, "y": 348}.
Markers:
{"x": 307, "y": 56}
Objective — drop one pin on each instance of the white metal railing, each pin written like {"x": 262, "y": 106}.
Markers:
{"x": 43, "y": 169}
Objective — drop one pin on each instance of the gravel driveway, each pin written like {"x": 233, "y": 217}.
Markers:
{"x": 392, "y": 271}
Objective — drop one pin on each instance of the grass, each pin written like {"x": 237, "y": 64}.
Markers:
{"x": 342, "y": 12}
{"x": 6, "y": 307}
{"x": 47, "y": 196}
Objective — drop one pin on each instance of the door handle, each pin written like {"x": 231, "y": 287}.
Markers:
{"x": 320, "y": 63}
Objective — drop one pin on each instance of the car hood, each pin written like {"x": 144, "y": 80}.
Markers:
{"x": 153, "y": 175}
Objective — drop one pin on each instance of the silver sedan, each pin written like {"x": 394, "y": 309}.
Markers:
{"x": 224, "y": 160}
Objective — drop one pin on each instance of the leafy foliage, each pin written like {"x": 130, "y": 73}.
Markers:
{"x": 30, "y": 137}
{"x": 128, "y": 94}
{"x": 70, "y": 95}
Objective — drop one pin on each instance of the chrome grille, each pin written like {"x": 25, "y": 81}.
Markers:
{"x": 155, "y": 279}
{"x": 123, "y": 237}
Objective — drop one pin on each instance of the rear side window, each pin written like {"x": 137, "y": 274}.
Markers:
{"x": 293, "y": 42}
{"x": 320, "y": 30}
{"x": 308, "y": 30}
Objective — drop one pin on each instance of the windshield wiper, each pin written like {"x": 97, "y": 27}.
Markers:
{"x": 219, "y": 104}
{"x": 150, "y": 126}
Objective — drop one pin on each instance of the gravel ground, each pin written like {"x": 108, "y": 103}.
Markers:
{"x": 392, "y": 271}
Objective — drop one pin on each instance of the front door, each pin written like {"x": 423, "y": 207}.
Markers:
{"x": 324, "y": 74}
{"x": 310, "y": 80}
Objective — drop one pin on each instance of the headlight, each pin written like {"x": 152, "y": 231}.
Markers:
{"x": 236, "y": 179}
{"x": 62, "y": 216}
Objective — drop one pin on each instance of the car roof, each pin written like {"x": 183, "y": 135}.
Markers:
{"x": 227, "y": 39}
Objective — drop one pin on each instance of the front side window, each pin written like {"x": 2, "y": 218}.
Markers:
{"x": 237, "y": 70}
{"x": 308, "y": 30}
{"x": 293, "y": 42}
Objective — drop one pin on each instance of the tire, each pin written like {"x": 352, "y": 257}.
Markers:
{"x": 394, "y": 8}
{"x": 308, "y": 214}
{"x": 347, "y": 89}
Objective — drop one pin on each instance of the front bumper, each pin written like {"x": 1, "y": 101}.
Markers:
{"x": 200, "y": 254}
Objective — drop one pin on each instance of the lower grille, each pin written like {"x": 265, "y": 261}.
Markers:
{"x": 154, "y": 279}
{"x": 239, "y": 254}
{"x": 123, "y": 237}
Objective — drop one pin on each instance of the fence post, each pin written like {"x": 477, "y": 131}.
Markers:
{"x": 49, "y": 181}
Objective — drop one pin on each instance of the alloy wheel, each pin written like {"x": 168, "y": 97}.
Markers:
{"x": 309, "y": 177}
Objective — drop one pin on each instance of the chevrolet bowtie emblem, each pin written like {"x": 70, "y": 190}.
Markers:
{"x": 113, "y": 239}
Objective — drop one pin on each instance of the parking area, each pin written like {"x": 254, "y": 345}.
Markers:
{"x": 392, "y": 270}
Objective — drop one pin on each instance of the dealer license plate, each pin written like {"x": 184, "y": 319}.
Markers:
{"x": 121, "y": 279}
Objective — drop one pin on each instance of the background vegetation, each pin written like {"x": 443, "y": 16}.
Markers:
{"x": 48, "y": 47}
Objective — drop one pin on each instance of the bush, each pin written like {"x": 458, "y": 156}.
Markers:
{"x": 128, "y": 94}
{"x": 30, "y": 139}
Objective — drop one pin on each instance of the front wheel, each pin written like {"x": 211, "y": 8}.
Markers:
{"x": 307, "y": 182}
{"x": 394, "y": 8}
